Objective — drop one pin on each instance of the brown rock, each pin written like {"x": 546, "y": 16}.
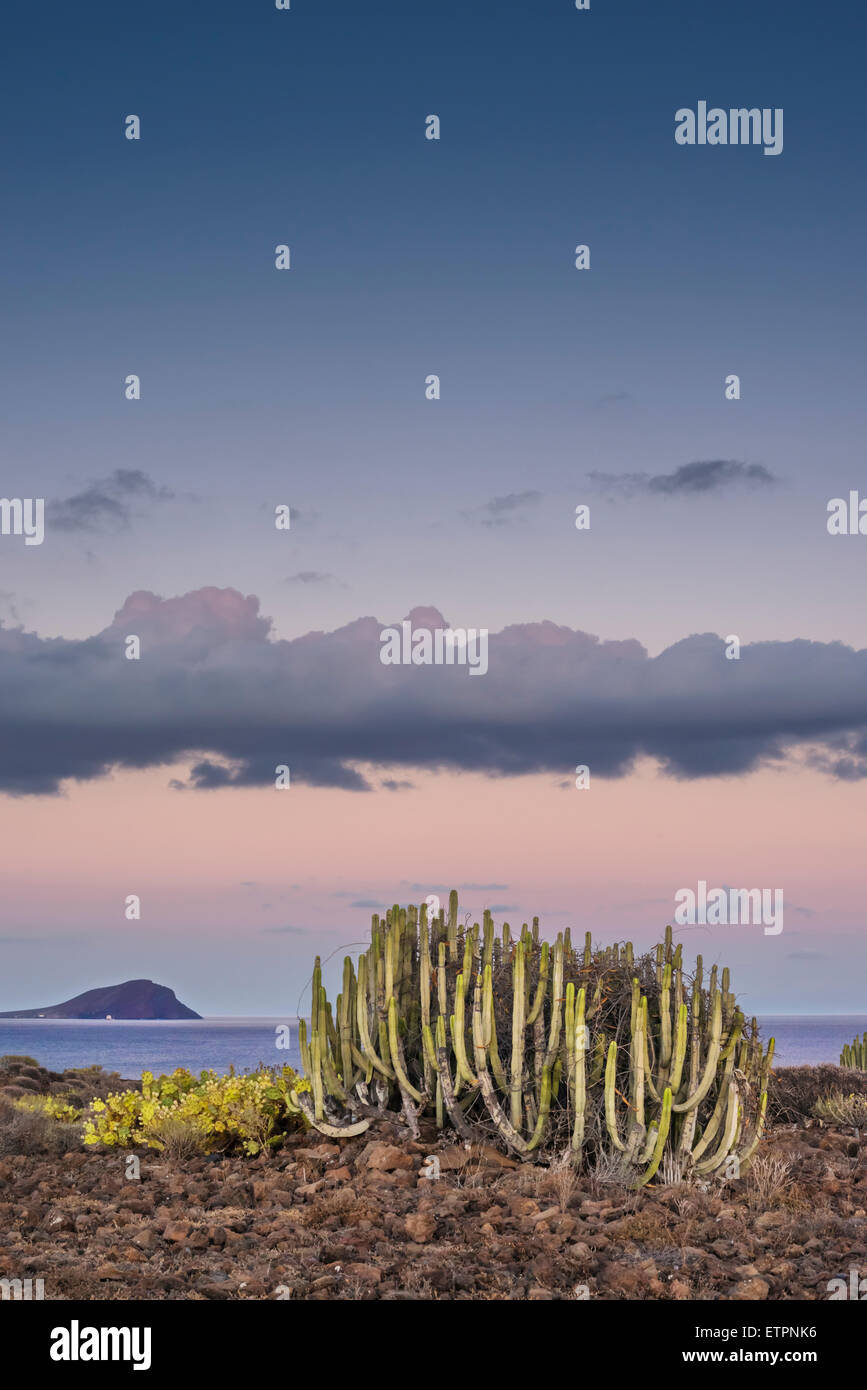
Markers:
{"x": 318, "y": 1153}
{"x": 420, "y": 1226}
{"x": 309, "y": 1189}
{"x": 451, "y": 1160}
{"x": 340, "y": 1175}
{"x": 367, "y": 1274}
{"x": 628, "y": 1280}
{"x": 404, "y": 1177}
{"x": 549, "y": 1214}
{"x": 387, "y": 1158}
{"x": 494, "y": 1213}
{"x": 177, "y": 1231}
{"x": 750, "y": 1289}
{"x": 60, "y": 1221}
{"x": 490, "y": 1156}
{"x": 523, "y": 1206}
{"x": 771, "y": 1219}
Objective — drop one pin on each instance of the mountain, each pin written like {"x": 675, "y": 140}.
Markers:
{"x": 132, "y": 999}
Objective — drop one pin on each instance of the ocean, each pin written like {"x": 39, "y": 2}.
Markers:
{"x": 131, "y": 1047}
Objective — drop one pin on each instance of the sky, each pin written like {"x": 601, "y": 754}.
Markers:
{"x": 306, "y": 388}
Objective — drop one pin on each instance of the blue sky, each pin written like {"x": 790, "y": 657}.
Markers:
{"x": 453, "y": 257}
{"x": 412, "y": 256}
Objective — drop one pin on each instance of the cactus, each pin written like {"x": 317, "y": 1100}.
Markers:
{"x": 855, "y": 1054}
{"x": 549, "y": 1048}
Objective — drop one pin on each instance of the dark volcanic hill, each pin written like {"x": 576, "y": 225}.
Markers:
{"x": 132, "y": 999}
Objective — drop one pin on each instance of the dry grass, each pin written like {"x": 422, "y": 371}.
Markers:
{"x": 180, "y": 1136}
{"x": 31, "y": 1132}
{"x": 473, "y": 1174}
{"x": 670, "y": 1170}
{"x": 560, "y": 1179}
{"x": 768, "y": 1180}
{"x": 342, "y": 1199}
{"x": 608, "y": 1172}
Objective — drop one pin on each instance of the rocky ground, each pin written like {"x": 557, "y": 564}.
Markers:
{"x": 360, "y": 1220}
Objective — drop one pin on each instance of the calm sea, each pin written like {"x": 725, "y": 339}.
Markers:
{"x": 131, "y": 1047}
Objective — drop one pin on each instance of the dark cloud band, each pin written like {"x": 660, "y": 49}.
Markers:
{"x": 215, "y": 690}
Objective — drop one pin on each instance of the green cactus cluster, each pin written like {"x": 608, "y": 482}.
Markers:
{"x": 545, "y": 1047}
{"x": 854, "y": 1054}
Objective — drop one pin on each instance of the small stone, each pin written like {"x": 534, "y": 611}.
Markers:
{"x": 754, "y": 1289}
{"x": 769, "y": 1220}
{"x": 420, "y": 1226}
{"x": 386, "y": 1158}
{"x": 523, "y": 1206}
{"x": 177, "y": 1231}
{"x": 367, "y": 1274}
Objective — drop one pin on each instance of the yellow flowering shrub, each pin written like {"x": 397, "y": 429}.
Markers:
{"x": 250, "y": 1112}
{"x": 51, "y": 1106}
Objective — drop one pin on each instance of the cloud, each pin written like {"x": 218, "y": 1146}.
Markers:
{"x": 215, "y": 691}
{"x": 9, "y": 601}
{"x": 108, "y": 504}
{"x": 312, "y": 577}
{"x": 689, "y": 480}
{"x": 843, "y": 757}
{"x": 504, "y": 511}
